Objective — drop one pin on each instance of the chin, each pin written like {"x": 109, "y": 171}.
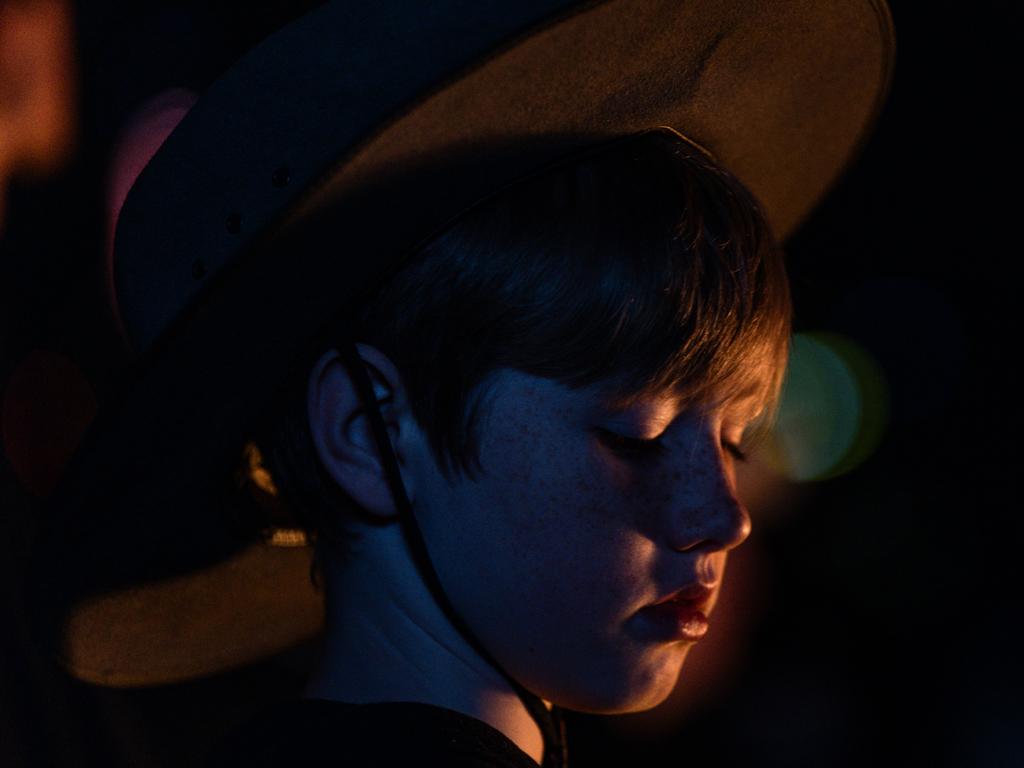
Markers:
{"x": 642, "y": 689}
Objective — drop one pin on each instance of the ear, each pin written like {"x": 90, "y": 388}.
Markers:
{"x": 343, "y": 435}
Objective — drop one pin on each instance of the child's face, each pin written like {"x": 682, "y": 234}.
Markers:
{"x": 554, "y": 552}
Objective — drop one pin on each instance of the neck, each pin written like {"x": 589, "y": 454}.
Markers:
{"x": 387, "y": 640}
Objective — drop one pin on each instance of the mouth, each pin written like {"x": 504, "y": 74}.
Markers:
{"x": 696, "y": 596}
{"x": 683, "y": 615}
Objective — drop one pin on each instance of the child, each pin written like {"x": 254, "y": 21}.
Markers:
{"x": 529, "y": 325}
{"x": 566, "y": 375}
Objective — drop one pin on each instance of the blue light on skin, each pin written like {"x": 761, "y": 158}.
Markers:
{"x": 550, "y": 555}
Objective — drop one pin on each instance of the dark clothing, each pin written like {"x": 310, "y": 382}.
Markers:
{"x": 310, "y": 732}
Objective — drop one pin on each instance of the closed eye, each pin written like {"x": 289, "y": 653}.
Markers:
{"x": 734, "y": 449}
{"x": 638, "y": 446}
{"x": 631, "y": 446}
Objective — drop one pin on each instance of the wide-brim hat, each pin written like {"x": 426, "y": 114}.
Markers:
{"x": 396, "y": 118}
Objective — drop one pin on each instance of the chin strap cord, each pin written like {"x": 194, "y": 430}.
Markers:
{"x": 551, "y": 723}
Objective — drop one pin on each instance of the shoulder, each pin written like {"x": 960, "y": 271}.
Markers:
{"x": 321, "y": 732}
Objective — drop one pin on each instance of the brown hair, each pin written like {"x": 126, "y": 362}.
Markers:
{"x": 646, "y": 268}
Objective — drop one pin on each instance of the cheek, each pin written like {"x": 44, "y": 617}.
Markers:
{"x": 550, "y": 567}
{"x": 580, "y": 564}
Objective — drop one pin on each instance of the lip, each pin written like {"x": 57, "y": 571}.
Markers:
{"x": 674, "y": 621}
{"x": 696, "y": 596}
{"x": 682, "y": 616}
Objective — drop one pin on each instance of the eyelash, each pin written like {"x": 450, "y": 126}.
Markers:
{"x": 632, "y": 446}
{"x": 735, "y": 451}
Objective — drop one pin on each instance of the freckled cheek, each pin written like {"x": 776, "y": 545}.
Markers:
{"x": 601, "y": 554}
{"x": 570, "y": 522}
{"x": 657, "y": 499}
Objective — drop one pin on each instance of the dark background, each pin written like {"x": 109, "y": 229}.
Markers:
{"x": 887, "y": 622}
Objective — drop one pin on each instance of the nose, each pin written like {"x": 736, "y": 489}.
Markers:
{"x": 707, "y": 514}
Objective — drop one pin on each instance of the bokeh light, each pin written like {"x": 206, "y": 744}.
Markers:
{"x": 38, "y": 89}
{"x": 834, "y": 408}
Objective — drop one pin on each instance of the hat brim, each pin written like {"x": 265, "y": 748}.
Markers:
{"x": 138, "y": 576}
